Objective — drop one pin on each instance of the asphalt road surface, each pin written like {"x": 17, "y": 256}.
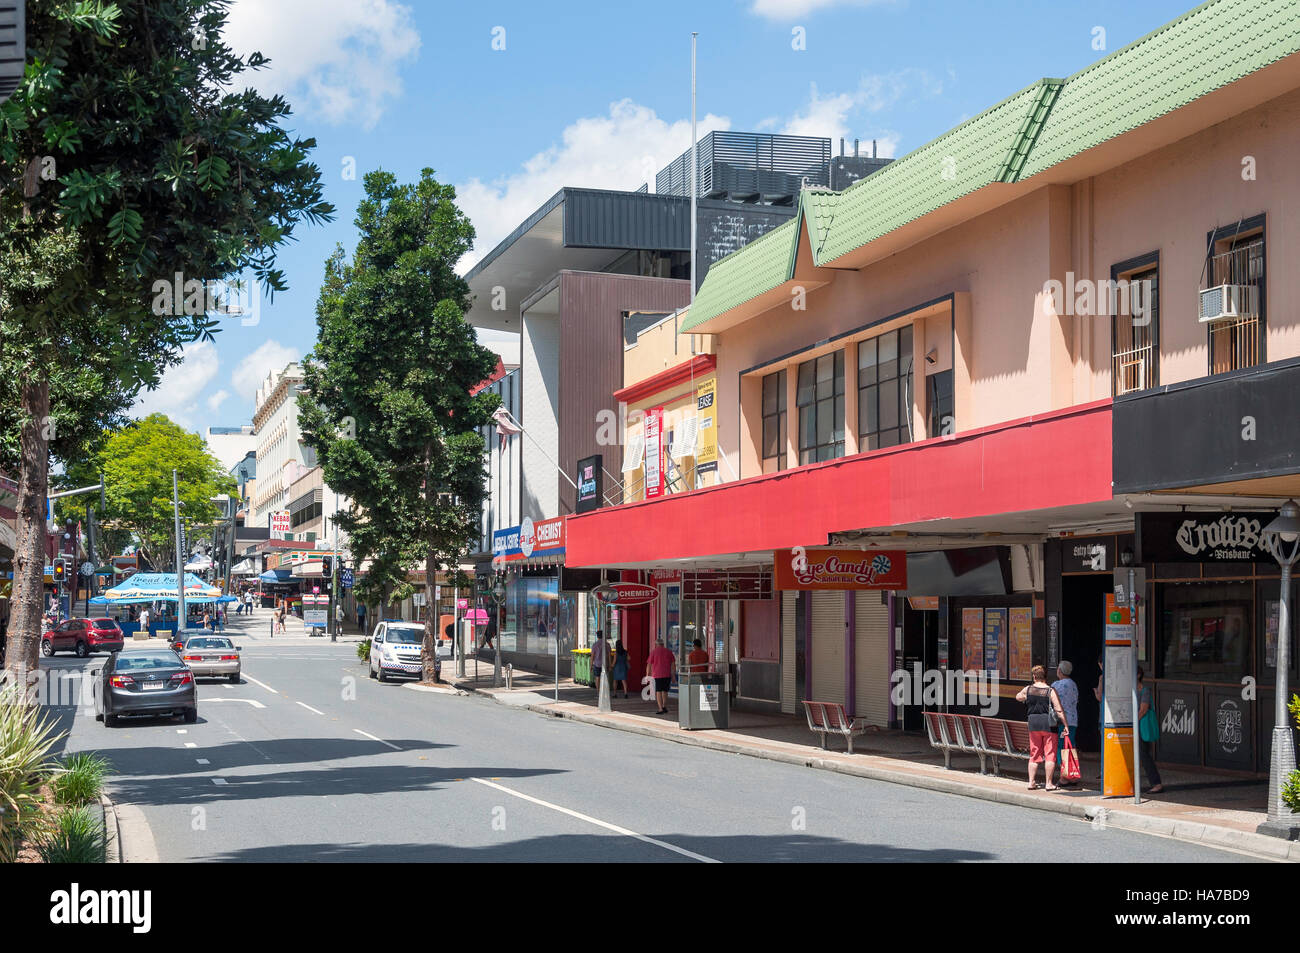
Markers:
{"x": 307, "y": 759}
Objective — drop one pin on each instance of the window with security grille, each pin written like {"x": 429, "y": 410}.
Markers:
{"x": 1135, "y": 325}
{"x": 1236, "y": 265}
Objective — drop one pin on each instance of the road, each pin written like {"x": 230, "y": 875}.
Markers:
{"x": 309, "y": 760}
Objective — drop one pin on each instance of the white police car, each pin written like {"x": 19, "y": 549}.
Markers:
{"x": 395, "y": 650}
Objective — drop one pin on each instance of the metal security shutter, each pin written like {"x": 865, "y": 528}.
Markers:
{"x": 871, "y": 658}
{"x": 788, "y": 690}
{"x": 828, "y": 646}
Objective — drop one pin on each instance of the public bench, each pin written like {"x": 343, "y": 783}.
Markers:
{"x": 828, "y": 718}
{"x": 986, "y": 738}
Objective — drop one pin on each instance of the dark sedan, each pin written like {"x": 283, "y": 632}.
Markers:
{"x": 150, "y": 682}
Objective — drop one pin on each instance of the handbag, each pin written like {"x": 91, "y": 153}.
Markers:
{"x": 1149, "y": 726}
{"x": 1069, "y": 760}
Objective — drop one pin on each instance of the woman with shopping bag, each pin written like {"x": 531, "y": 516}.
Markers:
{"x": 1148, "y": 734}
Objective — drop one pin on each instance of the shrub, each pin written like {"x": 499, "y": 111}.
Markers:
{"x": 363, "y": 650}
{"x": 25, "y": 742}
{"x": 1291, "y": 785}
{"x": 81, "y": 779}
{"x": 77, "y": 838}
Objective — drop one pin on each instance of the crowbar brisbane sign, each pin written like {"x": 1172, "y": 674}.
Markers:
{"x": 802, "y": 568}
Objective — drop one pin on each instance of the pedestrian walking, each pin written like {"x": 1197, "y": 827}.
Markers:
{"x": 661, "y": 664}
{"x": 248, "y": 603}
{"x": 279, "y": 620}
{"x": 1068, "y": 692}
{"x": 361, "y": 617}
{"x": 218, "y": 618}
{"x": 144, "y": 621}
{"x": 599, "y": 655}
{"x": 1148, "y": 735}
{"x": 1042, "y": 701}
{"x": 620, "y": 666}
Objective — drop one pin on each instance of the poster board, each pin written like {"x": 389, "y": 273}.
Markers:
{"x": 972, "y": 639}
{"x": 1020, "y": 644}
{"x": 1117, "y": 761}
{"x": 995, "y": 640}
{"x": 1118, "y": 682}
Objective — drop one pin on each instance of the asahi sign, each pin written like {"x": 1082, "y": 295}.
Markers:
{"x": 1203, "y": 537}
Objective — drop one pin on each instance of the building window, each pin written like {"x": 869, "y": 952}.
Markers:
{"x": 1135, "y": 325}
{"x": 820, "y": 398}
{"x": 1232, "y": 301}
{"x": 774, "y": 436}
{"x": 885, "y": 390}
{"x": 940, "y": 403}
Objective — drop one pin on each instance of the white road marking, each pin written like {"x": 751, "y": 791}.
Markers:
{"x": 248, "y": 701}
{"x": 190, "y": 744}
{"x": 380, "y": 740}
{"x": 219, "y": 781}
{"x": 182, "y": 731}
{"x": 263, "y": 684}
{"x": 202, "y": 761}
{"x": 309, "y": 708}
{"x": 599, "y": 823}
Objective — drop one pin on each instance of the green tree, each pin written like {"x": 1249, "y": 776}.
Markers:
{"x": 137, "y": 463}
{"x": 387, "y": 401}
{"x": 137, "y": 169}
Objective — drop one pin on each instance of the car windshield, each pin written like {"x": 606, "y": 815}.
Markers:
{"x": 143, "y": 663}
{"x": 208, "y": 644}
{"x": 104, "y": 623}
{"x": 408, "y": 634}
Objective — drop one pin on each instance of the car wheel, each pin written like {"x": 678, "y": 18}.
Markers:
{"x": 235, "y": 678}
{"x": 370, "y": 670}
{"x": 110, "y": 720}
{"x": 82, "y": 650}
{"x": 381, "y": 676}
{"x": 47, "y": 647}
{"x": 191, "y": 715}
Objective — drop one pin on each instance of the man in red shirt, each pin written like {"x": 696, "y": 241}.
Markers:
{"x": 697, "y": 659}
{"x": 661, "y": 663}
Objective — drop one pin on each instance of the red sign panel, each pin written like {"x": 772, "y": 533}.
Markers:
{"x": 625, "y": 594}
{"x": 664, "y": 577}
{"x": 802, "y": 568}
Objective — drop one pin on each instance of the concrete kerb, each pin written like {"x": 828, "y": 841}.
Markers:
{"x": 112, "y": 832}
{"x": 1269, "y": 848}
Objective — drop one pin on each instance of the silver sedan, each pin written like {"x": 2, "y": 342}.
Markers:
{"x": 211, "y": 656}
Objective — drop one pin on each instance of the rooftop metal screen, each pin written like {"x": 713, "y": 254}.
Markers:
{"x": 740, "y": 164}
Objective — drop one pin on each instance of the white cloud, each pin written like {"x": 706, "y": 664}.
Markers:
{"x": 216, "y": 400}
{"x": 177, "y": 394}
{"x": 832, "y": 116}
{"x": 787, "y": 9}
{"x": 618, "y": 151}
{"x": 336, "y": 58}
{"x": 252, "y": 371}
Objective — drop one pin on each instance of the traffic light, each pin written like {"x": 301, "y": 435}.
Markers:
{"x": 60, "y": 571}
{"x": 327, "y": 563}
{"x": 13, "y": 46}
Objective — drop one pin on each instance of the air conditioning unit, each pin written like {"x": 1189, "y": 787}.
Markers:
{"x": 1229, "y": 302}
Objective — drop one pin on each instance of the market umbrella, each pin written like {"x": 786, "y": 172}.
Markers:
{"x": 156, "y": 586}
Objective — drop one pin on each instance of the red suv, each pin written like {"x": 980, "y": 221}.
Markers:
{"x": 83, "y": 636}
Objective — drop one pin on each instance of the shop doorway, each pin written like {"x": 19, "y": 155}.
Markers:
{"x": 920, "y": 653}
{"x": 1083, "y": 610}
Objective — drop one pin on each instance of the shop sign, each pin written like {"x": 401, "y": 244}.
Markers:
{"x": 923, "y": 603}
{"x": 623, "y": 594}
{"x": 590, "y": 473}
{"x": 727, "y": 585}
{"x": 279, "y": 521}
{"x": 1203, "y": 537}
{"x": 1178, "y": 711}
{"x": 1087, "y": 555}
{"x": 654, "y": 423}
{"x": 706, "y": 453}
{"x": 1228, "y": 735}
{"x": 802, "y": 568}
{"x": 665, "y": 577}
{"x": 545, "y": 538}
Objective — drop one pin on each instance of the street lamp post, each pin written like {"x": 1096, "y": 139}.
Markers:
{"x": 498, "y": 597}
{"x": 1283, "y": 539}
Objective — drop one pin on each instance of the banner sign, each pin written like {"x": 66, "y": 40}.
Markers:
{"x": 654, "y": 422}
{"x": 529, "y": 539}
{"x": 279, "y": 521}
{"x": 995, "y": 634}
{"x": 664, "y": 577}
{"x": 590, "y": 475}
{"x": 623, "y": 594}
{"x": 1020, "y": 644}
{"x": 972, "y": 639}
{"x": 727, "y": 585}
{"x": 706, "y": 439}
{"x": 1202, "y": 538}
{"x": 821, "y": 569}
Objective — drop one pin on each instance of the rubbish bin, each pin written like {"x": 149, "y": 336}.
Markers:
{"x": 702, "y": 701}
{"x": 582, "y": 666}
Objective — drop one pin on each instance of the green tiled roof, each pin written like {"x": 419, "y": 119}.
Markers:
{"x": 1047, "y": 123}
{"x": 745, "y": 274}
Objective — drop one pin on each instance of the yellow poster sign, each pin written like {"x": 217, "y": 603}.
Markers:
{"x": 706, "y": 453}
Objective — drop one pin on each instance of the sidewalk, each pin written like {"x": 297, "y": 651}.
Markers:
{"x": 1220, "y": 812}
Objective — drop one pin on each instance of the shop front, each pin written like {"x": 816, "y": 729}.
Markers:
{"x": 537, "y": 619}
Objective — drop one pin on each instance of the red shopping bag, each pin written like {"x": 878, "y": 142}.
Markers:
{"x": 1069, "y": 760}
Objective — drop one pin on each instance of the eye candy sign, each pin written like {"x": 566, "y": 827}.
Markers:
{"x": 802, "y": 568}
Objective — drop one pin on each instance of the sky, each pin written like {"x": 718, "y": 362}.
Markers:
{"x": 511, "y": 101}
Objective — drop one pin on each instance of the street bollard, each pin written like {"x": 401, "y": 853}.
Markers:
{"x": 272, "y": 627}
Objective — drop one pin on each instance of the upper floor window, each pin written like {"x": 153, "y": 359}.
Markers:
{"x": 885, "y": 390}
{"x": 1135, "y": 324}
{"x": 1232, "y": 297}
{"x": 820, "y": 398}
{"x": 774, "y": 416}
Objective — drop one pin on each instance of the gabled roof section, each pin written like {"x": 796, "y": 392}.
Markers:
{"x": 1216, "y": 44}
{"x": 817, "y": 207}
{"x": 765, "y": 263}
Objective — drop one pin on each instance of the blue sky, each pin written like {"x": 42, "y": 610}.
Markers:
{"x": 598, "y": 94}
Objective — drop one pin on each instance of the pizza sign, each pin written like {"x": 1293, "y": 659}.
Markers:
{"x": 802, "y": 568}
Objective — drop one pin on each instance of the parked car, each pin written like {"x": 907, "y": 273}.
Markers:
{"x": 151, "y": 682}
{"x": 395, "y": 650}
{"x": 212, "y": 656}
{"x": 83, "y": 636}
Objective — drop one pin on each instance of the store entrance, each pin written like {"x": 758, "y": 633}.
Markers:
{"x": 920, "y": 652}
{"x": 1083, "y": 609}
